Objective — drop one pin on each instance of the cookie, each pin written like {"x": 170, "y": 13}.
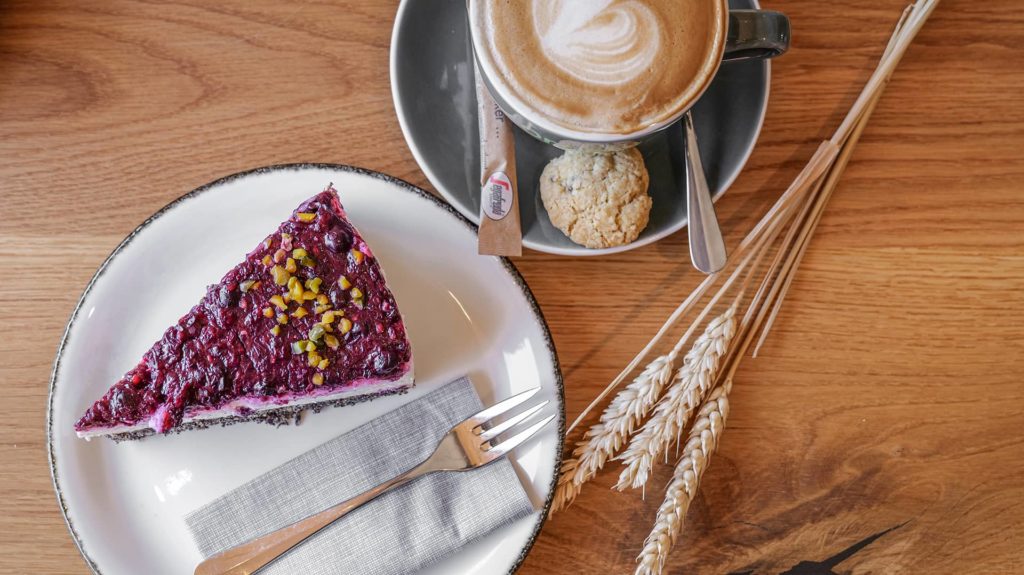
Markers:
{"x": 597, "y": 199}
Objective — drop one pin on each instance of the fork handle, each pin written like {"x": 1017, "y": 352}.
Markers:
{"x": 255, "y": 554}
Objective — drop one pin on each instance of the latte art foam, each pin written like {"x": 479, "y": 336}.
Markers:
{"x": 597, "y": 42}
{"x": 599, "y": 66}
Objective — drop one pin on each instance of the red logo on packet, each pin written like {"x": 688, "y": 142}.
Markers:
{"x": 497, "y": 196}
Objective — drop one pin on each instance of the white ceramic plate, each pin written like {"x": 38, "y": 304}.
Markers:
{"x": 125, "y": 503}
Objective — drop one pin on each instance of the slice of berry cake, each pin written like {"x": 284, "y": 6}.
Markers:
{"x": 306, "y": 321}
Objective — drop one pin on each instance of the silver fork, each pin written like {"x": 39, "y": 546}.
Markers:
{"x": 473, "y": 443}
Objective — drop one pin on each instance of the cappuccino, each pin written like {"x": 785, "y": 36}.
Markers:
{"x": 612, "y": 67}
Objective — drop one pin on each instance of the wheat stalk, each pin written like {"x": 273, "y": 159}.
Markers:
{"x": 617, "y": 422}
{"x": 701, "y": 443}
{"x": 689, "y": 386}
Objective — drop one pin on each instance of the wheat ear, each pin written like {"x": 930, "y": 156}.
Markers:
{"x": 701, "y": 443}
{"x": 617, "y": 422}
{"x": 566, "y": 490}
{"x": 688, "y": 388}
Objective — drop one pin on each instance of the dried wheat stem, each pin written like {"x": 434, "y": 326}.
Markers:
{"x": 701, "y": 443}
{"x": 748, "y": 325}
{"x": 922, "y": 9}
{"x": 807, "y": 221}
{"x": 617, "y": 422}
{"x": 687, "y": 390}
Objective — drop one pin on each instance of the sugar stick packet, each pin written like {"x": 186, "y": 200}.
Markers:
{"x": 501, "y": 233}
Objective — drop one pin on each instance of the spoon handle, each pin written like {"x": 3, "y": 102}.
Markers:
{"x": 707, "y": 248}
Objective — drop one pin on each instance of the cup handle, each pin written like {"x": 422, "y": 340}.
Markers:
{"x": 756, "y": 34}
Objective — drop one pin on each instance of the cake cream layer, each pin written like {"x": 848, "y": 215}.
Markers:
{"x": 251, "y": 406}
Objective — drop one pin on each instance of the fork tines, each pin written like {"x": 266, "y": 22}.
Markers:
{"x": 498, "y": 438}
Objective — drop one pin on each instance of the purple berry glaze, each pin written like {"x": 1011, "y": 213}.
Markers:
{"x": 224, "y": 349}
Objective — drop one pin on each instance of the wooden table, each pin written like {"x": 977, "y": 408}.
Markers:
{"x": 888, "y": 402}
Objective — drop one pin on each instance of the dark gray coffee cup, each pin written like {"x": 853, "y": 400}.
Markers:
{"x": 752, "y": 34}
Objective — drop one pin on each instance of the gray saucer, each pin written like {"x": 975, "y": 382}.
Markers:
{"x": 434, "y": 94}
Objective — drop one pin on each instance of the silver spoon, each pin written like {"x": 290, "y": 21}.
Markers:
{"x": 707, "y": 249}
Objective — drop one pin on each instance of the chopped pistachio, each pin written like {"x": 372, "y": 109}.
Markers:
{"x": 286, "y": 297}
{"x": 299, "y": 253}
{"x": 280, "y": 275}
{"x": 296, "y": 292}
{"x": 323, "y": 363}
{"x": 278, "y": 301}
{"x": 357, "y": 256}
{"x": 308, "y": 296}
{"x": 310, "y": 346}
{"x": 345, "y": 325}
{"x": 318, "y": 379}
{"x": 266, "y": 260}
{"x": 356, "y": 293}
{"x": 305, "y": 216}
{"x": 322, "y": 299}
{"x": 313, "y": 284}
{"x": 321, "y": 308}
{"x": 328, "y": 317}
{"x": 276, "y": 330}
{"x": 282, "y": 318}
{"x": 290, "y": 265}
{"x": 300, "y": 313}
{"x": 313, "y": 358}
{"x": 299, "y": 346}
{"x": 331, "y": 341}
{"x": 316, "y": 333}
{"x": 280, "y": 255}
{"x": 344, "y": 283}
{"x": 267, "y": 312}
{"x": 328, "y": 328}
{"x": 292, "y": 282}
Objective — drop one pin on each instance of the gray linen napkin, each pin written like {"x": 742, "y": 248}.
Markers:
{"x": 399, "y": 532}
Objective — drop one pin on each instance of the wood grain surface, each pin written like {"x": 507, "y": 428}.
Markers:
{"x": 889, "y": 396}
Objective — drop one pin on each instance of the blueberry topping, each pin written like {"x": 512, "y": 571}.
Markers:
{"x": 338, "y": 296}
{"x": 227, "y": 297}
{"x": 384, "y": 361}
{"x": 338, "y": 239}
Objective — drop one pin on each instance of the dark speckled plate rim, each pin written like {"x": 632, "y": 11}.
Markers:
{"x": 512, "y": 271}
